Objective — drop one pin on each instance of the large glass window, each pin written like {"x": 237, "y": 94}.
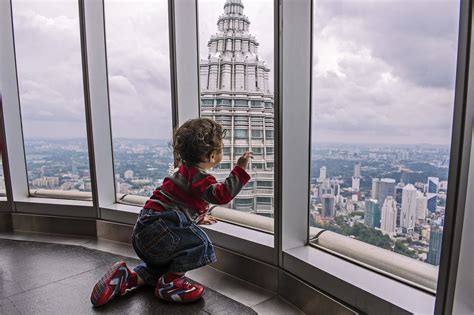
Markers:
{"x": 383, "y": 89}
{"x": 140, "y": 94}
{"x": 48, "y": 55}
{"x": 236, "y": 43}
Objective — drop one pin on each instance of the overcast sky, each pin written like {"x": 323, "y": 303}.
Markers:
{"x": 383, "y": 71}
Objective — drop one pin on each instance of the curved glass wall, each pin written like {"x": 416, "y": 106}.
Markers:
{"x": 140, "y": 94}
{"x": 48, "y": 54}
{"x": 236, "y": 51}
{"x": 383, "y": 95}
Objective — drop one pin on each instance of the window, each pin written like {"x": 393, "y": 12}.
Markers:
{"x": 243, "y": 30}
{"x": 270, "y": 151}
{"x": 241, "y": 134}
{"x": 256, "y": 104}
{"x": 269, "y": 134}
{"x": 48, "y": 55}
{"x": 270, "y": 164}
{"x": 264, "y": 200}
{"x": 140, "y": 93}
{"x": 247, "y": 202}
{"x": 249, "y": 186}
{"x": 239, "y": 151}
{"x": 258, "y": 166}
{"x": 268, "y": 105}
{"x": 223, "y": 102}
{"x": 226, "y": 151}
{"x": 372, "y": 175}
{"x": 257, "y": 151}
{"x": 207, "y": 103}
{"x": 264, "y": 184}
{"x": 257, "y": 134}
{"x": 241, "y": 121}
{"x": 240, "y": 103}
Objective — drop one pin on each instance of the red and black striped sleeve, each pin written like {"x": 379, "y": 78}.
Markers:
{"x": 222, "y": 193}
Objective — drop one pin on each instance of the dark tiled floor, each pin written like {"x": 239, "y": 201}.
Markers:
{"x": 42, "y": 278}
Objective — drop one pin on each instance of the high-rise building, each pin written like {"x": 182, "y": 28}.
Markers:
{"x": 433, "y": 185}
{"x": 398, "y": 192}
{"x": 357, "y": 169}
{"x": 383, "y": 188}
{"x": 421, "y": 206}
{"x": 235, "y": 91}
{"x": 355, "y": 183}
{"x": 436, "y": 238}
{"x": 372, "y": 214}
{"x": 389, "y": 215}
{"x": 375, "y": 187}
{"x": 322, "y": 174}
{"x": 432, "y": 189}
{"x": 408, "y": 214}
{"x": 328, "y": 209}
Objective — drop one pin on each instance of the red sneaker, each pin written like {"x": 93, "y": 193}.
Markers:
{"x": 115, "y": 282}
{"x": 178, "y": 290}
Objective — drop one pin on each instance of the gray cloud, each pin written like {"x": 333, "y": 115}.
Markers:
{"x": 383, "y": 70}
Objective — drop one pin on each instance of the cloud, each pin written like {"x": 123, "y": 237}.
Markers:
{"x": 384, "y": 72}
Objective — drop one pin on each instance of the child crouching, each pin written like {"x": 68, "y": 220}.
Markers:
{"x": 167, "y": 237}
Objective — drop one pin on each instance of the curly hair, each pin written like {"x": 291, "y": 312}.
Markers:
{"x": 196, "y": 139}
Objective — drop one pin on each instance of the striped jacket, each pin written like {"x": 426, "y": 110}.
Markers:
{"x": 190, "y": 190}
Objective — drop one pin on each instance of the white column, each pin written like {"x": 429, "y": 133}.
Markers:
{"x": 186, "y": 59}
{"x": 295, "y": 128}
{"x": 97, "y": 102}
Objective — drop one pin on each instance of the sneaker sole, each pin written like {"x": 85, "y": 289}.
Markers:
{"x": 101, "y": 286}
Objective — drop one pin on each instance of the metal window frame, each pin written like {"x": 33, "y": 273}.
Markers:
{"x": 461, "y": 140}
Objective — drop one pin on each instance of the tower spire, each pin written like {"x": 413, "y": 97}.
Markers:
{"x": 233, "y": 20}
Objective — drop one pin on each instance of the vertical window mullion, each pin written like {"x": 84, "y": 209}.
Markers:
{"x": 295, "y": 91}
{"x": 185, "y": 55}
{"x": 11, "y": 106}
{"x": 97, "y": 102}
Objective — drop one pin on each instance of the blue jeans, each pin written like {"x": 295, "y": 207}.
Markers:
{"x": 168, "y": 241}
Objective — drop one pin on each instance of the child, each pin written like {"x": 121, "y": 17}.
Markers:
{"x": 166, "y": 236}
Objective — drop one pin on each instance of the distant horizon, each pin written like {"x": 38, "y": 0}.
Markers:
{"x": 312, "y": 144}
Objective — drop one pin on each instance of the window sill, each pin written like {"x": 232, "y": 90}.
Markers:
{"x": 52, "y": 206}
{"x": 356, "y": 285}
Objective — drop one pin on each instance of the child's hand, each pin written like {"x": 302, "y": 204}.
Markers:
{"x": 244, "y": 159}
{"x": 208, "y": 219}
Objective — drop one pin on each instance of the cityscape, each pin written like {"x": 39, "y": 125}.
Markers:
{"x": 391, "y": 196}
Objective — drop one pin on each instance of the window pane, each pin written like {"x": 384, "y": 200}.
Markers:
{"x": 48, "y": 54}
{"x": 140, "y": 97}
{"x": 383, "y": 92}
{"x": 237, "y": 63}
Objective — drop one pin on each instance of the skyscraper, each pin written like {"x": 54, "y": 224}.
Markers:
{"x": 421, "y": 206}
{"x": 375, "y": 187}
{"x": 389, "y": 215}
{"x": 408, "y": 214}
{"x": 436, "y": 238}
{"x": 432, "y": 188}
{"x": 322, "y": 174}
{"x": 372, "y": 213}
{"x": 355, "y": 183}
{"x": 357, "y": 169}
{"x": 235, "y": 91}
{"x": 328, "y": 210}
{"x": 382, "y": 188}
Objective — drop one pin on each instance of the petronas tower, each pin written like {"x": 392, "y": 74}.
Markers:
{"x": 235, "y": 91}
